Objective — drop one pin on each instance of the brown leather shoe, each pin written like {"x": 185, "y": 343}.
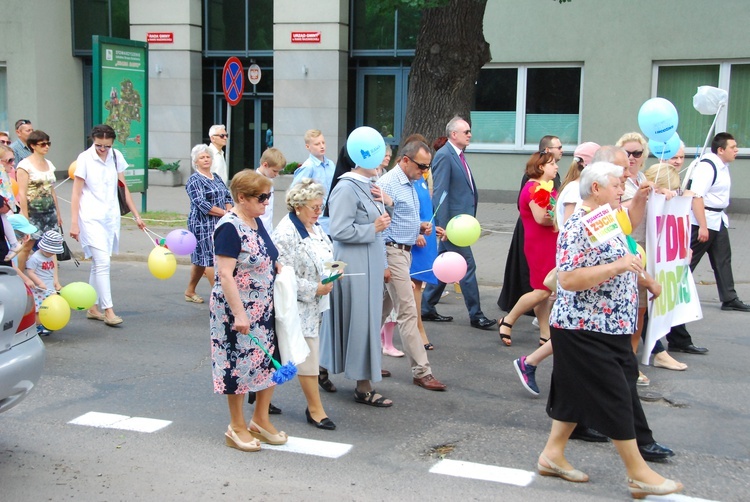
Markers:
{"x": 429, "y": 382}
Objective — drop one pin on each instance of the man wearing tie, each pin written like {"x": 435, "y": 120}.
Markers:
{"x": 451, "y": 174}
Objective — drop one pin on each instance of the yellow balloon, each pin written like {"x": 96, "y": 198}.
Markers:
{"x": 642, "y": 253}
{"x": 463, "y": 230}
{"x": 162, "y": 263}
{"x": 72, "y": 169}
{"x": 54, "y": 312}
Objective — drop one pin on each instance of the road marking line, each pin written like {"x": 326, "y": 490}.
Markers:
{"x": 327, "y": 449}
{"x": 676, "y": 497}
{"x": 484, "y": 472}
{"x": 124, "y": 422}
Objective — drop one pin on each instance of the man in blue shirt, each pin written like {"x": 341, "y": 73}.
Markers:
{"x": 317, "y": 167}
{"x": 399, "y": 238}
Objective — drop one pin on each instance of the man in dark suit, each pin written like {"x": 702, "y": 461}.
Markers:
{"x": 451, "y": 174}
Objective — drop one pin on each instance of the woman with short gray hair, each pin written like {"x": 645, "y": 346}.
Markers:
{"x": 304, "y": 246}
{"x": 209, "y": 200}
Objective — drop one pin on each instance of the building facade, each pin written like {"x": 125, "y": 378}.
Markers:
{"x": 579, "y": 70}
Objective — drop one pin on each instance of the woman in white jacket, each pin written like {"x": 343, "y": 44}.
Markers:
{"x": 304, "y": 246}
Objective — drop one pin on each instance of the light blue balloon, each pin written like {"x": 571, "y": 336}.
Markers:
{"x": 658, "y": 119}
{"x": 366, "y": 147}
{"x": 666, "y": 150}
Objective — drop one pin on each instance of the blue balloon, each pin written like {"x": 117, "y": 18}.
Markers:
{"x": 665, "y": 151}
{"x": 658, "y": 119}
{"x": 366, "y": 147}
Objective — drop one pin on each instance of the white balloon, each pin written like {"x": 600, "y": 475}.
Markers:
{"x": 709, "y": 99}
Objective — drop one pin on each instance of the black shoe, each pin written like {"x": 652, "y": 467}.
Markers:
{"x": 324, "y": 382}
{"x": 483, "y": 323}
{"x": 273, "y": 410}
{"x": 326, "y": 423}
{"x": 655, "y": 452}
{"x": 688, "y": 349}
{"x": 435, "y": 317}
{"x": 588, "y": 434}
{"x": 735, "y": 304}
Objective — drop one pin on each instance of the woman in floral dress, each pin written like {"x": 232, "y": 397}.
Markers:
{"x": 242, "y": 305}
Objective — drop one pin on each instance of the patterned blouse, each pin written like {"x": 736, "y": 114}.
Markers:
{"x": 611, "y": 307}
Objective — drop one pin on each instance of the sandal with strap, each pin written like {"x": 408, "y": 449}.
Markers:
{"x": 503, "y": 337}
{"x": 542, "y": 341}
{"x": 369, "y": 399}
{"x": 324, "y": 382}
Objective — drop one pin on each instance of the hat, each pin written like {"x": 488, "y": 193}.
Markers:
{"x": 21, "y": 224}
{"x": 52, "y": 242}
{"x": 586, "y": 151}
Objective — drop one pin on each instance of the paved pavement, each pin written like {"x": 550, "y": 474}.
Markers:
{"x": 497, "y": 222}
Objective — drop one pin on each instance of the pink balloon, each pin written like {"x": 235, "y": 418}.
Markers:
{"x": 449, "y": 267}
{"x": 181, "y": 241}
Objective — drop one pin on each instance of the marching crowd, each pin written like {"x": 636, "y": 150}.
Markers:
{"x": 361, "y": 243}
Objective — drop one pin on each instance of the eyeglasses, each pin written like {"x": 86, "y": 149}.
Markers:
{"x": 467, "y": 131}
{"x": 11, "y": 160}
{"x": 315, "y": 209}
{"x": 44, "y": 144}
{"x": 102, "y": 147}
{"x": 423, "y": 167}
{"x": 555, "y": 147}
{"x": 222, "y": 136}
{"x": 5, "y": 141}
{"x": 636, "y": 154}
{"x": 262, "y": 197}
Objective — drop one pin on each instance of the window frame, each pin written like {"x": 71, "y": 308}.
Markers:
{"x": 520, "y": 131}
{"x": 247, "y": 52}
{"x": 725, "y": 75}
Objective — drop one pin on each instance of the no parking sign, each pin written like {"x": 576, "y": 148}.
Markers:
{"x": 233, "y": 81}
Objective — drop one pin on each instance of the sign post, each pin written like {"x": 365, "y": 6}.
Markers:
{"x": 233, "y": 82}
{"x": 120, "y": 95}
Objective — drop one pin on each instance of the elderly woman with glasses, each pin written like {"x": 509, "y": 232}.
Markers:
{"x": 304, "y": 246}
{"x": 242, "y": 313}
{"x": 209, "y": 200}
{"x": 36, "y": 190}
{"x": 95, "y": 214}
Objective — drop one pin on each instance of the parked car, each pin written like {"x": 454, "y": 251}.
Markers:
{"x": 21, "y": 349}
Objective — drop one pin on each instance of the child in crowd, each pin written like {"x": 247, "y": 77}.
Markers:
{"x": 23, "y": 230}
{"x": 40, "y": 267}
{"x": 272, "y": 162}
{"x": 317, "y": 167}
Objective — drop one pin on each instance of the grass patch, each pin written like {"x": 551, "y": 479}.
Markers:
{"x": 163, "y": 219}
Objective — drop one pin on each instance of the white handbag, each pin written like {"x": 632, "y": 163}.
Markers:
{"x": 292, "y": 344}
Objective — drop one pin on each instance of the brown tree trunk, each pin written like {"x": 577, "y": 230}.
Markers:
{"x": 450, "y": 51}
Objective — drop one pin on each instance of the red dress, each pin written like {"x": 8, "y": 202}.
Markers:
{"x": 540, "y": 242}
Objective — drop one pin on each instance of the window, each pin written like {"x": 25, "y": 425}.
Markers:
{"x": 238, "y": 27}
{"x": 375, "y": 30}
{"x": 4, "y": 124}
{"x": 678, "y": 83}
{"x": 108, "y": 18}
{"x": 549, "y": 98}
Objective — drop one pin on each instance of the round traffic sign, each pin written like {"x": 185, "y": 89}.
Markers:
{"x": 253, "y": 74}
{"x": 233, "y": 81}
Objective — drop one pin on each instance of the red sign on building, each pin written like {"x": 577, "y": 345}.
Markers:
{"x": 305, "y": 37}
{"x": 160, "y": 37}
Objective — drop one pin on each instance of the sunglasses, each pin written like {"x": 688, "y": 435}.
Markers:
{"x": 222, "y": 136}
{"x": 44, "y": 144}
{"x": 102, "y": 147}
{"x": 5, "y": 141}
{"x": 636, "y": 154}
{"x": 423, "y": 167}
{"x": 11, "y": 160}
{"x": 262, "y": 197}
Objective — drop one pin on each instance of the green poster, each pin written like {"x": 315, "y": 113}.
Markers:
{"x": 121, "y": 101}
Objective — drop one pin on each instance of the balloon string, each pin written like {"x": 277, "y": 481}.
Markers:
{"x": 146, "y": 232}
{"x": 440, "y": 203}
{"x": 420, "y": 272}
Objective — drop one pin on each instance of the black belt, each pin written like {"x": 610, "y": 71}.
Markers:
{"x": 714, "y": 209}
{"x": 398, "y": 246}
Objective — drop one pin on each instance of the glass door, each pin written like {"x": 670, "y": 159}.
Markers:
{"x": 381, "y": 100}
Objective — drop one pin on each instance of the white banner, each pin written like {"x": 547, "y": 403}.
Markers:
{"x": 668, "y": 261}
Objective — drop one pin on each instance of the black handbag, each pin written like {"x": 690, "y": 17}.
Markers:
{"x": 66, "y": 255}
{"x": 124, "y": 209}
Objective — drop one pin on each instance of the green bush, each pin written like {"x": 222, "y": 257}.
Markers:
{"x": 155, "y": 163}
{"x": 290, "y": 168}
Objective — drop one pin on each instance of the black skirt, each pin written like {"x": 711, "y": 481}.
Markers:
{"x": 594, "y": 382}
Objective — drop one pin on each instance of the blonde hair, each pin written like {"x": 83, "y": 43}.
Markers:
{"x": 248, "y": 183}
{"x": 663, "y": 175}
{"x": 574, "y": 172}
{"x": 302, "y": 193}
{"x": 634, "y": 136}
{"x": 273, "y": 157}
{"x": 311, "y": 134}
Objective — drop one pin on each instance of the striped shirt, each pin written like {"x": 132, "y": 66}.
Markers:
{"x": 404, "y": 227}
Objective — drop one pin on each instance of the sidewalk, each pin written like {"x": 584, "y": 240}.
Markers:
{"x": 490, "y": 251}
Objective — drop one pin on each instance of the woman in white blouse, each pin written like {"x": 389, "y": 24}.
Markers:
{"x": 304, "y": 246}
